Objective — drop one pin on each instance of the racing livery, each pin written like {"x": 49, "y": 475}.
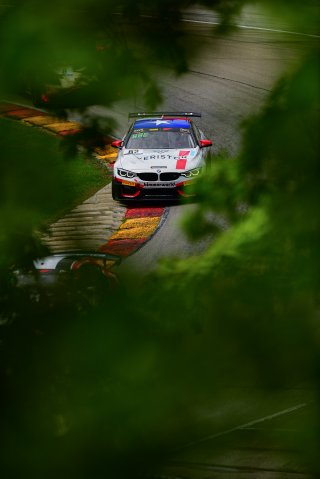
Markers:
{"x": 159, "y": 157}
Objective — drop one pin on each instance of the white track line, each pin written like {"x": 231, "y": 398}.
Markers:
{"x": 248, "y": 27}
{"x": 244, "y": 426}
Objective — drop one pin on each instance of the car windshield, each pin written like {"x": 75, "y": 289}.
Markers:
{"x": 168, "y": 139}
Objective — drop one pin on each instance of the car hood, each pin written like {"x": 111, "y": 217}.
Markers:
{"x": 162, "y": 159}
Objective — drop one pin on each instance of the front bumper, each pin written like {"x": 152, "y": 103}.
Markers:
{"x": 130, "y": 190}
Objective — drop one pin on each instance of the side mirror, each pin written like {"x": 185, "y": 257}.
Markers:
{"x": 117, "y": 144}
{"x": 205, "y": 143}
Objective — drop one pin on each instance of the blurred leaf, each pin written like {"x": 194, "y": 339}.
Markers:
{"x": 102, "y": 383}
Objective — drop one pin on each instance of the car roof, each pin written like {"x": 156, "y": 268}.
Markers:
{"x": 162, "y": 123}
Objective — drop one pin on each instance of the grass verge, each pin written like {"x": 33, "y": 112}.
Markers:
{"x": 37, "y": 180}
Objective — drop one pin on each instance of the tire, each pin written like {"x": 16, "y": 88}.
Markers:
{"x": 115, "y": 191}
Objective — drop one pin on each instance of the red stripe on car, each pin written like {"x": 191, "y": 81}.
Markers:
{"x": 184, "y": 152}
{"x": 181, "y": 164}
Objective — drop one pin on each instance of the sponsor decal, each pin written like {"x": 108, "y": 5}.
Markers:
{"x": 160, "y": 157}
{"x": 184, "y": 153}
{"x": 159, "y": 185}
{"x": 139, "y": 135}
{"x": 133, "y": 152}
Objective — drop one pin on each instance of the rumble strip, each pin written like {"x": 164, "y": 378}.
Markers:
{"x": 139, "y": 226}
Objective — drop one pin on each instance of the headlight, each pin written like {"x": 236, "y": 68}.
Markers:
{"x": 191, "y": 173}
{"x": 126, "y": 174}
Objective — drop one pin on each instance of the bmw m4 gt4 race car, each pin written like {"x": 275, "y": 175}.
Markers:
{"x": 159, "y": 157}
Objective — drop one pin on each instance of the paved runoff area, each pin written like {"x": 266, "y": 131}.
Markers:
{"x": 87, "y": 226}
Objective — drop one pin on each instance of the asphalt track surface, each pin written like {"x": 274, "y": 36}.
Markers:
{"x": 240, "y": 434}
{"x": 228, "y": 82}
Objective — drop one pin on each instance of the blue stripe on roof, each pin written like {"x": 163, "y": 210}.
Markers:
{"x": 158, "y": 123}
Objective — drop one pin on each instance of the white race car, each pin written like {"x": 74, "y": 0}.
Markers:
{"x": 61, "y": 268}
{"x": 159, "y": 157}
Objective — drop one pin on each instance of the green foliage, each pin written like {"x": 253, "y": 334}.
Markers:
{"x": 91, "y": 388}
{"x": 255, "y": 292}
{"x": 98, "y": 382}
{"x": 120, "y": 46}
{"x": 37, "y": 185}
{"x": 262, "y": 271}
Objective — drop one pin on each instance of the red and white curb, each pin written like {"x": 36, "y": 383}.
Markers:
{"x": 138, "y": 227}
